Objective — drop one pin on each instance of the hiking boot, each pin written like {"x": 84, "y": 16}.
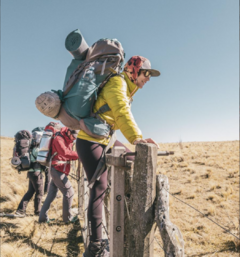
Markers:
{"x": 74, "y": 219}
{"x": 96, "y": 249}
{"x": 19, "y": 214}
{"x": 49, "y": 221}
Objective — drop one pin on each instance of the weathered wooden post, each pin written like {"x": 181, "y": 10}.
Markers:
{"x": 117, "y": 203}
{"x": 104, "y": 223}
{"x": 173, "y": 243}
{"x": 85, "y": 197}
{"x": 80, "y": 189}
{"x": 140, "y": 230}
{"x": 107, "y": 201}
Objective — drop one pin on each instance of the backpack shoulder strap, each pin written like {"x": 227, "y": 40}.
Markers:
{"x": 57, "y": 134}
{"x": 111, "y": 75}
{"x": 105, "y": 107}
{"x": 50, "y": 156}
{"x": 31, "y": 153}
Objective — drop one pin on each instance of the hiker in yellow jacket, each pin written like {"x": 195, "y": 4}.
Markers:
{"x": 117, "y": 94}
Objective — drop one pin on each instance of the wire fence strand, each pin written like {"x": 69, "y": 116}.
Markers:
{"x": 204, "y": 215}
{"x": 108, "y": 191}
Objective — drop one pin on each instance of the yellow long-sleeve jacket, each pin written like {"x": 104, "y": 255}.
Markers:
{"x": 117, "y": 93}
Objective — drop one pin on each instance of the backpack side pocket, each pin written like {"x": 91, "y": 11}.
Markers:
{"x": 95, "y": 128}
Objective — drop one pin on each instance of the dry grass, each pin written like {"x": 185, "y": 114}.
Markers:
{"x": 25, "y": 237}
{"x": 208, "y": 179}
{"x": 202, "y": 174}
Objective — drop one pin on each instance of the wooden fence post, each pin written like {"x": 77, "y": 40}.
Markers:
{"x": 117, "y": 206}
{"x": 173, "y": 243}
{"x": 140, "y": 231}
{"x": 80, "y": 189}
{"x": 107, "y": 202}
{"x": 85, "y": 196}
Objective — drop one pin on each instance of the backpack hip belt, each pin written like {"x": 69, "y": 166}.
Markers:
{"x": 61, "y": 162}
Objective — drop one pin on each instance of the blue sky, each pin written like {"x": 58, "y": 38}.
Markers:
{"x": 195, "y": 45}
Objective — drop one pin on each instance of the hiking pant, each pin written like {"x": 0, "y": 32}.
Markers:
{"x": 47, "y": 180}
{"x": 35, "y": 185}
{"x": 60, "y": 182}
{"x": 90, "y": 153}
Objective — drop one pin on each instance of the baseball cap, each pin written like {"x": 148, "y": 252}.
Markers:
{"x": 147, "y": 66}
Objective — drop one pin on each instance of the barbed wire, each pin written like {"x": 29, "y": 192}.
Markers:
{"x": 159, "y": 244}
{"x": 202, "y": 214}
{"x": 148, "y": 205}
{"x": 106, "y": 231}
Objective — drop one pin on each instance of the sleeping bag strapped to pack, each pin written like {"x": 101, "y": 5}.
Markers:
{"x": 21, "y": 156}
{"x": 84, "y": 78}
{"x": 44, "y": 153}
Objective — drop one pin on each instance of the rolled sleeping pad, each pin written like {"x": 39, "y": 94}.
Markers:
{"x": 76, "y": 45}
{"x": 15, "y": 162}
{"x": 49, "y": 104}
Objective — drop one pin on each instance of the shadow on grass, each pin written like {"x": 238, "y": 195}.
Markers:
{"x": 7, "y": 210}
{"x": 73, "y": 248}
{"x": 4, "y": 199}
{"x": 74, "y": 240}
{"x": 228, "y": 246}
{"x": 14, "y": 237}
{"x": 8, "y": 225}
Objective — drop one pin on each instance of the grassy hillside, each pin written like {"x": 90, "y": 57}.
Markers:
{"x": 204, "y": 175}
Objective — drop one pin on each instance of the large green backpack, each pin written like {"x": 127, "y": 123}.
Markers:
{"x": 84, "y": 78}
{"x": 21, "y": 151}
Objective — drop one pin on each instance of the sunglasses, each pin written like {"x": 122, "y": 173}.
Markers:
{"x": 146, "y": 73}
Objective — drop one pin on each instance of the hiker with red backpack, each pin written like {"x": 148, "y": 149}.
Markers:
{"x": 117, "y": 94}
{"x": 35, "y": 185}
{"x": 62, "y": 154}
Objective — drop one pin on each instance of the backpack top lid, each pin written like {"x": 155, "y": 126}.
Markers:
{"x": 104, "y": 47}
{"x": 53, "y": 126}
{"x": 22, "y": 134}
{"x": 38, "y": 129}
{"x": 36, "y": 137}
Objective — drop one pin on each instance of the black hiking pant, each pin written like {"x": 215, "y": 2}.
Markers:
{"x": 35, "y": 185}
{"x": 89, "y": 154}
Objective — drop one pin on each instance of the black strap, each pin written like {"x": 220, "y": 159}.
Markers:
{"x": 58, "y": 134}
{"x": 103, "y": 109}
